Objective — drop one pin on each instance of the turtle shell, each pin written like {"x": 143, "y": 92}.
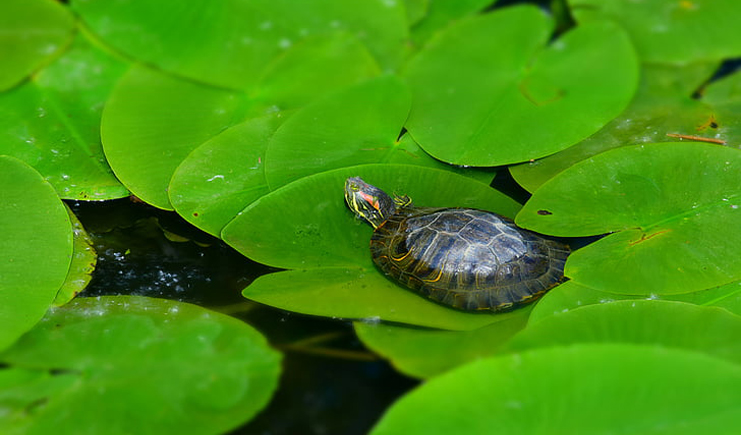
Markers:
{"x": 467, "y": 259}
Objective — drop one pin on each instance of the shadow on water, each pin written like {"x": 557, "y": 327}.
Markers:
{"x": 330, "y": 383}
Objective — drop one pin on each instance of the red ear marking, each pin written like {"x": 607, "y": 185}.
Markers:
{"x": 370, "y": 199}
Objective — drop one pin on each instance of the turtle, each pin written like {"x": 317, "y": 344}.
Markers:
{"x": 464, "y": 258}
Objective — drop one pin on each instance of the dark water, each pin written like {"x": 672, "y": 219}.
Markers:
{"x": 334, "y": 386}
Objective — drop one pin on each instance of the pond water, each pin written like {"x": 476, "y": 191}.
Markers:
{"x": 330, "y": 383}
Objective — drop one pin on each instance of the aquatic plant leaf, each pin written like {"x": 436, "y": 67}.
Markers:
{"x": 230, "y": 43}
{"x": 36, "y": 249}
{"x": 52, "y": 122}
{"x": 669, "y": 31}
{"x": 664, "y": 104}
{"x": 424, "y": 353}
{"x": 590, "y": 388}
{"x": 306, "y": 224}
{"x": 710, "y": 330}
{"x": 670, "y": 207}
{"x": 34, "y": 31}
{"x": 126, "y": 364}
{"x": 505, "y": 102}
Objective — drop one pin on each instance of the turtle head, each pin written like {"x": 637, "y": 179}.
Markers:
{"x": 369, "y": 202}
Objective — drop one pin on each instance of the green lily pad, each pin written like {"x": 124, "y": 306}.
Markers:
{"x": 424, "y": 353}
{"x": 569, "y": 296}
{"x": 593, "y": 388}
{"x": 164, "y": 366}
{"x": 672, "y": 233}
{"x": 481, "y": 100}
{"x": 306, "y": 225}
{"x": 34, "y": 31}
{"x": 84, "y": 259}
{"x": 230, "y": 43}
{"x": 711, "y": 330}
{"x": 36, "y": 250}
{"x": 224, "y": 175}
{"x": 670, "y": 31}
{"x": 146, "y": 139}
{"x": 52, "y": 122}
{"x": 664, "y": 104}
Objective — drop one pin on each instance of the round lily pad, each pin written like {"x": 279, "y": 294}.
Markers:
{"x": 490, "y": 90}
{"x": 672, "y": 208}
{"x": 126, "y": 364}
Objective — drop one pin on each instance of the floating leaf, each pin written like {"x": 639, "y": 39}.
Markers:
{"x": 424, "y": 353}
{"x": 231, "y": 43}
{"x": 165, "y": 366}
{"x": 36, "y": 250}
{"x": 509, "y": 100}
{"x": 306, "y": 225}
{"x": 224, "y": 175}
{"x": 33, "y": 32}
{"x": 666, "y": 323}
{"x": 672, "y": 231}
{"x": 671, "y": 31}
{"x": 52, "y": 122}
{"x": 595, "y": 389}
{"x": 84, "y": 259}
{"x": 664, "y": 104}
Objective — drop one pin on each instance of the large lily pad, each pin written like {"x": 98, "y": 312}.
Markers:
{"x": 123, "y": 364}
{"x": 52, "y": 122}
{"x": 594, "y": 389}
{"x": 488, "y": 91}
{"x": 306, "y": 225}
{"x": 231, "y": 43}
{"x": 666, "y": 323}
{"x": 34, "y": 31}
{"x": 672, "y": 207}
{"x": 36, "y": 250}
{"x": 670, "y": 31}
{"x": 664, "y": 104}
